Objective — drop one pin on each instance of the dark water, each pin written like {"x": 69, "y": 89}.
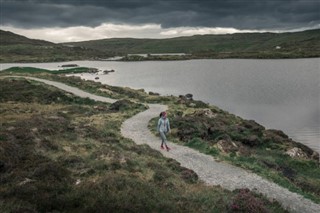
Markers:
{"x": 279, "y": 94}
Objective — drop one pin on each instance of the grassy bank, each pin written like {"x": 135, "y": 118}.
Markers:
{"x": 33, "y": 70}
{"x": 246, "y": 144}
{"x": 61, "y": 153}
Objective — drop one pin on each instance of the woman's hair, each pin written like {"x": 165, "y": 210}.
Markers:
{"x": 162, "y": 114}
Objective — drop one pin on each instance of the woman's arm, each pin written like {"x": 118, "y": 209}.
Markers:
{"x": 159, "y": 124}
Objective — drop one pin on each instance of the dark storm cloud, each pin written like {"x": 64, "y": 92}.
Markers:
{"x": 242, "y": 14}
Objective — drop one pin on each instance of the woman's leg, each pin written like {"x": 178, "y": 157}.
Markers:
{"x": 163, "y": 138}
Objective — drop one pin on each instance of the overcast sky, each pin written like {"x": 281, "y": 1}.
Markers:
{"x": 77, "y": 20}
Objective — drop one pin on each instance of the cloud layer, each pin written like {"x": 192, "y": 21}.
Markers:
{"x": 240, "y": 14}
{"x": 74, "y": 20}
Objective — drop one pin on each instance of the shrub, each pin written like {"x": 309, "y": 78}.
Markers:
{"x": 246, "y": 201}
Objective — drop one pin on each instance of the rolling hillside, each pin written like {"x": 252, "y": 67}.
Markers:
{"x": 16, "y": 48}
{"x": 273, "y": 45}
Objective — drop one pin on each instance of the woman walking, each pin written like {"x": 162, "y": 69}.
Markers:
{"x": 163, "y": 128}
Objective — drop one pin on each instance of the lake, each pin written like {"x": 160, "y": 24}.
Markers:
{"x": 279, "y": 94}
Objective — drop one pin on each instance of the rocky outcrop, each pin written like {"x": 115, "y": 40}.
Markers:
{"x": 107, "y": 71}
{"x": 205, "y": 112}
{"x": 227, "y": 146}
{"x": 296, "y": 153}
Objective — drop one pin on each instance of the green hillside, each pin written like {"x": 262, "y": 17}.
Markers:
{"x": 16, "y": 48}
{"x": 269, "y": 45}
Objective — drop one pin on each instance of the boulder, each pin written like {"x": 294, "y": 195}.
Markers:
{"x": 107, "y": 71}
{"x": 296, "y": 153}
{"x": 109, "y": 92}
{"x": 189, "y": 96}
{"x": 227, "y": 146}
{"x": 206, "y": 113}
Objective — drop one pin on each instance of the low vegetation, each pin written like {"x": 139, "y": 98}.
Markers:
{"x": 61, "y": 153}
{"x": 32, "y": 70}
{"x": 239, "y": 45}
{"x": 222, "y": 135}
{"x": 245, "y": 143}
{"x": 16, "y": 48}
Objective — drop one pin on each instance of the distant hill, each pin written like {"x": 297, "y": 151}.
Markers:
{"x": 17, "y": 48}
{"x": 273, "y": 45}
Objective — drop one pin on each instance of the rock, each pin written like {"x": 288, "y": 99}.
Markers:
{"x": 205, "y": 112}
{"x": 154, "y": 93}
{"x": 27, "y": 180}
{"x": 11, "y": 128}
{"x": 100, "y": 108}
{"x": 78, "y": 182}
{"x": 93, "y": 70}
{"x": 96, "y": 78}
{"x": 107, "y": 71}
{"x": 109, "y": 92}
{"x": 227, "y": 146}
{"x": 296, "y": 153}
{"x": 189, "y": 96}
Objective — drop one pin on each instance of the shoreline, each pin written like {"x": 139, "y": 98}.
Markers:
{"x": 263, "y": 187}
{"x": 164, "y": 60}
{"x": 313, "y": 143}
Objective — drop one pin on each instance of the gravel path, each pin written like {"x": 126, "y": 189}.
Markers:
{"x": 209, "y": 171}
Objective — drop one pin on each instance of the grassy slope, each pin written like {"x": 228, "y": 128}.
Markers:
{"x": 246, "y": 144}
{"x": 301, "y": 43}
{"x": 16, "y": 48}
{"x": 59, "y": 152}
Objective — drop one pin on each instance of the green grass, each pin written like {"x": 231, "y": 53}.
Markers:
{"x": 32, "y": 70}
{"x": 16, "y": 48}
{"x": 248, "y": 45}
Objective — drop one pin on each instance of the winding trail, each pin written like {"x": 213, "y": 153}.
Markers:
{"x": 209, "y": 171}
